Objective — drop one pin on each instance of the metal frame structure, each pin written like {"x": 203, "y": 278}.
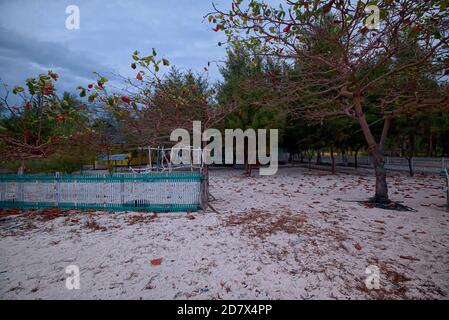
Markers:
{"x": 163, "y": 163}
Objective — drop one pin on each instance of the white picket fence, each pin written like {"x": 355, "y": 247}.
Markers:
{"x": 419, "y": 164}
{"x": 152, "y": 192}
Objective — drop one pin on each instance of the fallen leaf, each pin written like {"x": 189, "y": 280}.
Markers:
{"x": 358, "y": 246}
{"x": 156, "y": 262}
{"x": 409, "y": 258}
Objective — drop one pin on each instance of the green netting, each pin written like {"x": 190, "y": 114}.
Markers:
{"x": 104, "y": 207}
{"x": 171, "y": 176}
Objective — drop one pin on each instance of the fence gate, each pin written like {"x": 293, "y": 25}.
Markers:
{"x": 158, "y": 191}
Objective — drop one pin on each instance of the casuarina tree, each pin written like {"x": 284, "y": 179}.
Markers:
{"x": 346, "y": 52}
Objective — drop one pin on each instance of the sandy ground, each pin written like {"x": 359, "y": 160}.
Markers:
{"x": 295, "y": 235}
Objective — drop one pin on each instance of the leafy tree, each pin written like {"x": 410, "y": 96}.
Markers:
{"x": 233, "y": 92}
{"x": 343, "y": 59}
{"x": 40, "y": 125}
{"x": 154, "y": 106}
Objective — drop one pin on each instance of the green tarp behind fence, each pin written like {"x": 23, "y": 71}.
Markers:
{"x": 158, "y": 192}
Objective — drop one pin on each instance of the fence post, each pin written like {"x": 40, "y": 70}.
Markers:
{"x": 57, "y": 189}
{"x": 122, "y": 191}
{"x": 204, "y": 189}
{"x": 75, "y": 187}
{"x": 104, "y": 191}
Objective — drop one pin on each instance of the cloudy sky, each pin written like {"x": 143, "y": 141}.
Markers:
{"x": 34, "y": 38}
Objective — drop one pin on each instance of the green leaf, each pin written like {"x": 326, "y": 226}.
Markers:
{"x": 165, "y": 62}
{"x": 44, "y": 77}
{"x": 111, "y": 101}
{"x": 93, "y": 96}
{"x": 17, "y": 89}
{"x": 436, "y": 33}
{"x": 133, "y": 65}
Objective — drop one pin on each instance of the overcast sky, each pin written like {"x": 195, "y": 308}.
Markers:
{"x": 33, "y": 37}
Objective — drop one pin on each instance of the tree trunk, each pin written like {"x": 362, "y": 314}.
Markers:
{"x": 381, "y": 193}
{"x": 410, "y": 152}
{"x": 344, "y": 156}
{"x": 376, "y": 150}
{"x": 356, "y": 152}
{"x": 410, "y": 166}
{"x": 318, "y": 157}
{"x": 246, "y": 164}
{"x": 333, "y": 160}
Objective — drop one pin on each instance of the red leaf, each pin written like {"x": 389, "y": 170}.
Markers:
{"x": 358, "y": 246}
{"x": 190, "y": 216}
{"x": 156, "y": 262}
{"x": 126, "y": 100}
{"x": 287, "y": 28}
